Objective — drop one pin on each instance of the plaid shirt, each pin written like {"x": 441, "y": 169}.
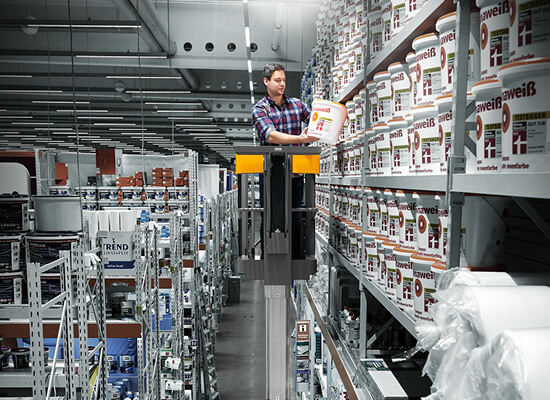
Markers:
{"x": 267, "y": 116}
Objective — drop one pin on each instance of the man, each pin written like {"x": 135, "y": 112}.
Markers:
{"x": 278, "y": 119}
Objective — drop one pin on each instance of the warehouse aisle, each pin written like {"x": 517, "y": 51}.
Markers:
{"x": 240, "y": 345}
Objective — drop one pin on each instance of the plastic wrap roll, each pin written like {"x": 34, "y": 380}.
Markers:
{"x": 114, "y": 220}
{"x": 127, "y": 220}
{"x": 463, "y": 276}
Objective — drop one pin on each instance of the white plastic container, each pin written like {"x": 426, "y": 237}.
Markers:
{"x": 393, "y": 216}
{"x": 488, "y": 125}
{"x": 372, "y": 160}
{"x": 494, "y": 36}
{"x": 443, "y": 226}
{"x": 428, "y": 68}
{"x": 387, "y": 25}
{"x": 413, "y": 6}
{"x": 410, "y": 137}
{"x": 404, "y": 278}
{"x": 327, "y": 120}
{"x": 359, "y": 112}
{"x": 373, "y": 211}
{"x": 427, "y": 224}
{"x": 398, "y": 15}
{"x": 383, "y": 151}
{"x": 424, "y": 286}
{"x": 400, "y": 90}
{"x": 371, "y": 256}
{"x": 525, "y": 115}
{"x": 399, "y": 145}
{"x": 426, "y": 139}
{"x": 446, "y": 26}
{"x": 375, "y": 31}
{"x": 390, "y": 284}
{"x": 529, "y": 29}
{"x": 383, "y": 213}
{"x": 350, "y": 105}
{"x": 10, "y": 252}
{"x": 384, "y": 96}
{"x": 381, "y": 270}
{"x": 57, "y": 213}
{"x": 11, "y": 285}
{"x": 413, "y": 88}
{"x": 407, "y": 219}
{"x": 373, "y": 103}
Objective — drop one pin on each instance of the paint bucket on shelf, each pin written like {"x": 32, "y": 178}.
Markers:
{"x": 404, "y": 278}
{"x": 20, "y": 356}
{"x": 399, "y": 146}
{"x": 438, "y": 269}
{"x": 359, "y": 123}
{"x": 393, "y": 216}
{"x": 60, "y": 190}
{"x": 382, "y": 206}
{"x": 371, "y": 256}
{"x": 350, "y": 105}
{"x": 407, "y": 219}
{"x": 413, "y": 6}
{"x": 373, "y": 211}
{"x": 371, "y": 160}
{"x": 488, "y": 125}
{"x": 426, "y": 139}
{"x": 390, "y": 284}
{"x": 44, "y": 249}
{"x": 400, "y": 90}
{"x": 446, "y": 26}
{"x": 359, "y": 238}
{"x": 383, "y": 93}
{"x": 427, "y": 224}
{"x": 109, "y": 193}
{"x": 413, "y": 84}
{"x": 428, "y": 68}
{"x": 373, "y": 103}
{"x": 14, "y": 213}
{"x": 424, "y": 286}
{"x": 525, "y": 115}
{"x": 410, "y": 139}
{"x": 398, "y": 15}
{"x": 327, "y": 120}
{"x": 381, "y": 270}
{"x": 57, "y": 213}
{"x": 10, "y": 252}
{"x": 494, "y": 36}
{"x": 386, "y": 23}
{"x": 383, "y": 150}
{"x": 442, "y": 221}
{"x": 11, "y": 288}
{"x": 483, "y": 230}
{"x": 529, "y": 30}
{"x": 6, "y": 351}
{"x": 375, "y": 31}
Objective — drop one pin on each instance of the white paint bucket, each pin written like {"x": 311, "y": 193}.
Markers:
{"x": 327, "y": 120}
{"x": 373, "y": 211}
{"x": 438, "y": 269}
{"x": 494, "y": 36}
{"x": 446, "y": 26}
{"x": 443, "y": 224}
{"x": 410, "y": 138}
{"x": 57, "y": 213}
{"x": 400, "y": 90}
{"x": 427, "y": 224}
{"x": 413, "y": 6}
{"x": 413, "y": 83}
{"x": 11, "y": 288}
{"x": 360, "y": 163}
{"x": 483, "y": 230}
{"x": 359, "y": 112}
{"x": 404, "y": 278}
{"x": 428, "y": 68}
{"x": 59, "y": 190}
{"x": 44, "y": 249}
{"x": 375, "y": 31}
{"x": 399, "y": 146}
{"x": 350, "y": 105}
{"x": 371, "y": 256}
{"x": 529, "y": 29}
{"x": 383, "y": 150}
{"x": 426, "y": 139}
{"x": 372, "y": 160}
{"x": 359, "y": 238}
{"x": 407, "y": 219}
{"x": 445, "y": 122}
{"x": 390, "y": 283}
{"x": 424, "y": 286}
{"x": 382, "y": 206}
{"x": 488, "y": 125}
{"x": 525, "y": 115}
{"x": 335, "y": 90}
{"x": 381, "y": 270}
{"x": 386, "y": 20}
{"x": 398, "y": 16}
{"x": 10, "y": 253}
{"x": 393, "y": 216}
{"x": 373, "y": 103}
{"x": 384, "y": 96}
{"x": 14, "y": 213}
{"x": 109, "y": 193}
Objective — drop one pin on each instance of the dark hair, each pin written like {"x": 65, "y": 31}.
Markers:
{"x": 270, "y": 68}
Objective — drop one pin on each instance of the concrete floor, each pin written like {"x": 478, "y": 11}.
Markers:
{"x": 240, "y": 345}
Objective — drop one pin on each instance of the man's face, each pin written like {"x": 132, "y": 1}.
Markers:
{"x": 276, "y": 85}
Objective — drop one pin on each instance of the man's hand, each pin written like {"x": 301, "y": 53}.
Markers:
{"x": 276, "y": 137}
{"x": 304, "y": 138}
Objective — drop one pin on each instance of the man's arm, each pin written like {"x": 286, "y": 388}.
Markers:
{"x": 276, "y": 137}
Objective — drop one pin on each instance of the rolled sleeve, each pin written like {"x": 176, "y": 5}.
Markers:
{"x": 262, "y": 123}
{"x": 306, "y": 113}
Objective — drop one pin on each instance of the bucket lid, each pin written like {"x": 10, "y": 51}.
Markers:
{"x": 408, "y": 117}
{"x": 371, "y": 85}
{"x": 395, "y": 67}
{"x": 423, "y": 259}
{"x": 380, "y": 128}
{"x": 486, "y": 85}
{"x": 20, "y": 351}
{"x": 404, "y": 251}
{"x": 382, "y": 75}
{"x": 387, "y": 243}
{"x": 362, "y": 91}
{"x": 392, "y": 123}
{"x": 531, "y": 65}
{"x": 380, "y": 239}
{"x": 328, "y": 102}
{"x": 388, "y": 192}
{"x": 411, "y": 58}
{"x": 425, "y": 40}
{"x": 439, "y": 266}
{"x": 375, "y": 9}
{"x": 357, "y": 97}
{"x": 424, "y": 109}
{"x": 446, "y": 22}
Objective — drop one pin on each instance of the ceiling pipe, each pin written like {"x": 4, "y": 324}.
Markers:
{"x": 155, "y": 34}
{"x": 277, "y": 27}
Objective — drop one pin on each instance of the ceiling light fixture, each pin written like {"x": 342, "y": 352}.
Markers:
{"x": 16, "y": 116}
{"x": 32, "y": 91}
{"x": 158, "y": 91}
{"x": 247, "y": 35}
{"x": 97, "y": 117}
{"x": 150, "y": 103}
{"x": 114, "y": 123}
{"x": 59, "y": 102}
{"x": 142, "y": 77}
{"x": 15, "y": 76}
{"x": 122, "y": 55}
{"x": 84, "y": 111}
{"x": 182, "y": 111}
